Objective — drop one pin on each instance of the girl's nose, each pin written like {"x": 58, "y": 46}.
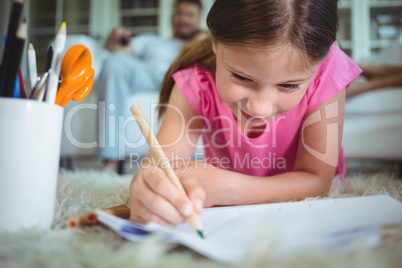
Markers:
{"x": 261, "y": 104}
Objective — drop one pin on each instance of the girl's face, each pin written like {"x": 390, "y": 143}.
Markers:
{"x": 258, "y": 84}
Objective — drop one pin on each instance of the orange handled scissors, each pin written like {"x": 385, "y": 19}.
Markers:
{"x": 77, "y": 75}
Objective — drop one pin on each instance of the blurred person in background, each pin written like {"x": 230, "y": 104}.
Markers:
{"x": 139, "y": 64}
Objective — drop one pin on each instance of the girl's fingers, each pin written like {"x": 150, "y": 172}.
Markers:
{"x": 140, "y": 214}
{"x": 155, "y": 202}
{"x": 153, "y": 197}
{"x": 161, "y": 185}
{"x": 195, "y": 192}
{"x": 160, "y": 207}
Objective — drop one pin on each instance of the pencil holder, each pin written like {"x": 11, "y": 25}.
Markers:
{"x": 30, "y": 135}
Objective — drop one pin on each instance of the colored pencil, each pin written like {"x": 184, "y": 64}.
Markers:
{"x": 121, "y": 211}
{"x": 14, "y": 59}
{"x": 9, "y": 50}
{"x": 32, "y": 68}
{"x": 159, "y": 154}
{"x": 17, "y": 89}
{"x": 49, "y": 57}
{"x": 22, "y": 86}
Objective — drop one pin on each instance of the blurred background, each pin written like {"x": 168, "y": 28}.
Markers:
{"x": 94, "y": 18}
{"x": 369, "y": 31}
{"x": 366, "y": 26}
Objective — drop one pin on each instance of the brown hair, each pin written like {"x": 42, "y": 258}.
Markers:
{"x": 308, "y": 25}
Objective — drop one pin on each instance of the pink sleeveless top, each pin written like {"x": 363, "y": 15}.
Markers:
{"x": 274, "y": 151}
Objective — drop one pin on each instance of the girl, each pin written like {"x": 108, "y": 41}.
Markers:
{"x": 266, "y": 91}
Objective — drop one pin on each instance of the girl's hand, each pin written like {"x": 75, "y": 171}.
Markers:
{"x": 153, "y": 197}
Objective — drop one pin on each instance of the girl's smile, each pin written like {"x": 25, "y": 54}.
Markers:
{"x": 253, "y": 118}
{"x": 260, "y": 83}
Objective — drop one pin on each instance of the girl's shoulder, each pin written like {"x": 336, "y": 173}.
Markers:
{"x": 332, "y": 75}
{"x": 195, "y": 72}
{"x": 198, "y": 87}
{"x": 196, "y": 78}
{"x": 337, "y": 60}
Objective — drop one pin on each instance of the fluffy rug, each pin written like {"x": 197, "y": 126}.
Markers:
{"x": 96, "y": 246}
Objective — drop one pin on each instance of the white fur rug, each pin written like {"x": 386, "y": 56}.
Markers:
{"x": 97, "y": 246}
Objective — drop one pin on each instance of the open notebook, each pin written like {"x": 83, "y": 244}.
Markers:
{"x": 232, "y": 232}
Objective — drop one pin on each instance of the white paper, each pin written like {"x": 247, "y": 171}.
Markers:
{"x": 231, "y": 232}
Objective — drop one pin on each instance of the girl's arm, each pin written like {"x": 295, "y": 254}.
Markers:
{"x": 312, "y": 175}
{"x": 180, "y": 128}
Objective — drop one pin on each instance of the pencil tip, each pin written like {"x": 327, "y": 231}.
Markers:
{"x": 71, "y": 223}
{"x": 63, "y": 28}
{"x": 91, "y": 217}
{"x": 21, "y": 31}
{"x": 201, "y": 234}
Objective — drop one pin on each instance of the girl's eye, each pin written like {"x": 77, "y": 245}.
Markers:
{"x": 290, "y": 87}
{"x": 240, "y": 78}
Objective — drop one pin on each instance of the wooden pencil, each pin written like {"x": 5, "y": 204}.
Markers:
{"x": 14, "y": 60}
{"x": 122, "y": 211}
{"x": 78, "y": 221}
{"x": 13, "y": 25}
{"x": 159, "y": 154}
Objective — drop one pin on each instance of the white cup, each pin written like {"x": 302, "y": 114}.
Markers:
{"x": 30, "y": 135}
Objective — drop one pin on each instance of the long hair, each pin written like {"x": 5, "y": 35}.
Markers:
{"x": 310, "y": 26}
